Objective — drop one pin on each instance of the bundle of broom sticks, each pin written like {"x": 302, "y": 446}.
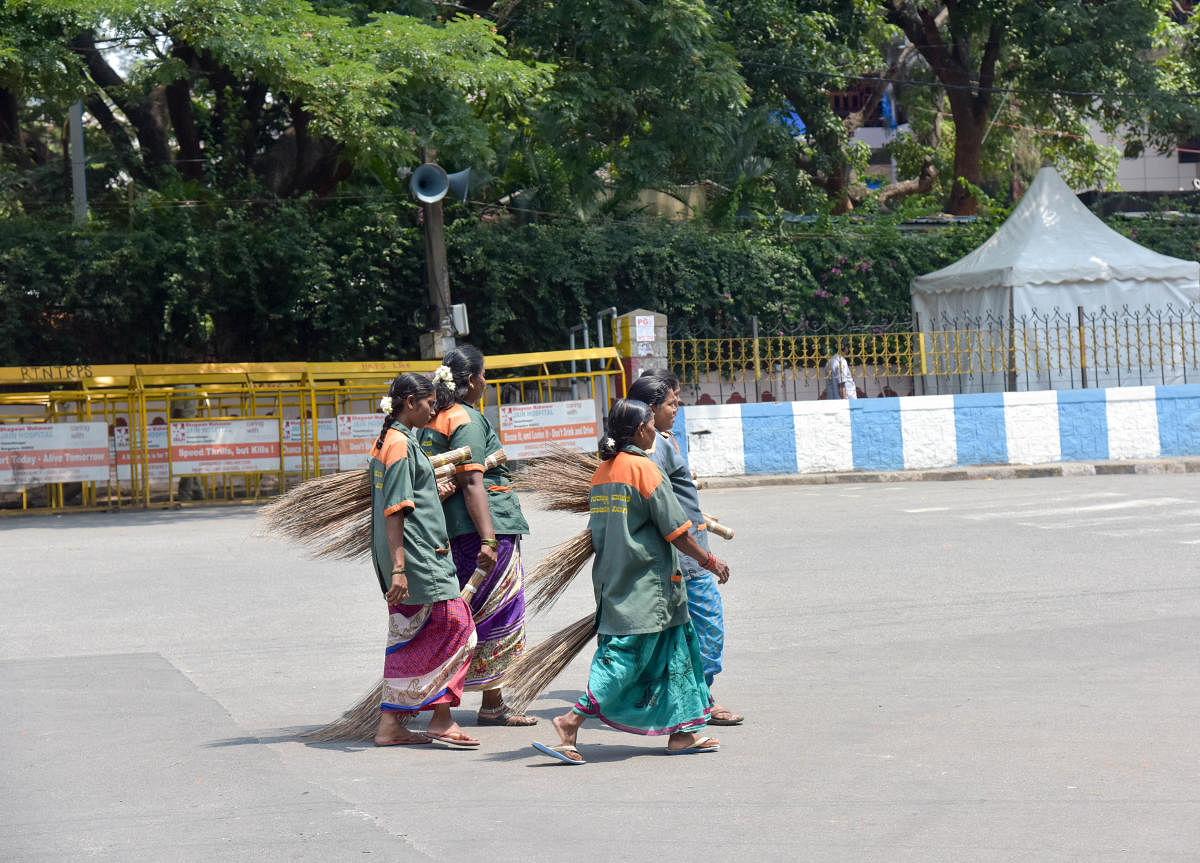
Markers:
{"x": 331, "y": 514}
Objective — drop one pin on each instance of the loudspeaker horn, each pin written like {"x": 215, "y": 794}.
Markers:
{"x": 460, "y": 184}
{"x": 429, "y": 183}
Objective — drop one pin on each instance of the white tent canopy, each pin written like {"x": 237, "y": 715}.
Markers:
{"x": 1050, "y": 258}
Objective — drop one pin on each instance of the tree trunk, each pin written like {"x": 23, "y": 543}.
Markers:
{"x": 969, "y": 91}
{"x": 190, "y": 160}
{"x": 968, "y": 156}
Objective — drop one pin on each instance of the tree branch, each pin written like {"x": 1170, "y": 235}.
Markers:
{"x": 183, "y": 121}
{"x": 148, "y": 120}
{"x": 921, "y": 184}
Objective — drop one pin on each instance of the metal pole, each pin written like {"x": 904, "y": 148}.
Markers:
{"x": 574, "y": 382}
{"x": 1082, "y": 350}
{"x": 611, "y": 311}
{"x": 757, "y": 364}
{"x": 78, "y": 179}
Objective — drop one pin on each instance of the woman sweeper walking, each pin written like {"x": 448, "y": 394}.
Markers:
{"x": 485, "y": 524}
{"x": 647, "y": 675}
{"x": 430, "y": 634}
{"x": 660, "y": 390}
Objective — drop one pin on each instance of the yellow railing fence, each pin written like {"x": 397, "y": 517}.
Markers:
{"x": 1056, "y": 350}
{"x": 286, "y": 414}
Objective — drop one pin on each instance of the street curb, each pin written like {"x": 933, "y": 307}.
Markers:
{"x": 1184, "y": 464}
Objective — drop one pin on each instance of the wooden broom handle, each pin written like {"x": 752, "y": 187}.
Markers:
{"x": 445, "y": 471}
{"x": 716, "y": 527}
{"x": 454, "y": 456}
{"x": 477, "y": 578}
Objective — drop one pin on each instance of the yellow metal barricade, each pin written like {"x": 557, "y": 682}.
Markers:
{"x": 141, "y": 404}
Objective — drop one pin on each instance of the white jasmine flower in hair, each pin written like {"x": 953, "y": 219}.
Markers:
{"x": 609, "y": 442}
{"x": 443, "y": 375}
{"x": 385, "y": 404}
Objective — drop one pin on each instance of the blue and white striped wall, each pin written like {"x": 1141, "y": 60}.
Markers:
{"x": 920, "y": 432}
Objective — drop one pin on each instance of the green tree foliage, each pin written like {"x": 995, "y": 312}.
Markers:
{"x": 268, "y": 97}
{"x": 646, "y": 95}
{"x": 1040, "y": 64}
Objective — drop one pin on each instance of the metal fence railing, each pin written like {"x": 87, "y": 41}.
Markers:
{"x": 79, "y": 437}
{"x": 984, "y": 353}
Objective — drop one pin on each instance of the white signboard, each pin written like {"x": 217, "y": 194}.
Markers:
{"x": 297, "y": 452}
{"x": 39, "y": 453}
{"x": 356, "y": 434}
{"x": 156, "y": 451}
{"x": 224, "y": 446}
{"x": 528, "y": 431}
{"x": 644, "y": 328}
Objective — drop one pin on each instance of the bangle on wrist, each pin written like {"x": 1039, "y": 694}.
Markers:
{"x": 490, "y": 543}
{"x": 398, "y": 571}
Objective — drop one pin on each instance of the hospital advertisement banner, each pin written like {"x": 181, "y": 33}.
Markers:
{"x": 529, "y": 431}
{"x": 297, "y": 452}
{"x": 224, "y": 446}
{"x": 124, "y": 455}
{"x": 39, "y": 453}
{"x": 356, "y": 435}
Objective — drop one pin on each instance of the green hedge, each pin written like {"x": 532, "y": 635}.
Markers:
{"x": 289, "y": 282}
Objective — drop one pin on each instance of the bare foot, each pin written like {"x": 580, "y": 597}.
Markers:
{"x": 688, "y": 740}
{"x": 567, "y": 727}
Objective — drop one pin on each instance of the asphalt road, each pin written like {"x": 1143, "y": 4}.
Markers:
{"x": 964, "y": 671}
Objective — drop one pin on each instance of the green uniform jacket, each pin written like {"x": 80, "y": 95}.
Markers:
{"x": 458, "y": 426}
{"x": 402, "y": 481}
{"x": 634, "y": 518}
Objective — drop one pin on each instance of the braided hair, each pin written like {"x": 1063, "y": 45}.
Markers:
{"x": 407, "y": 384}
{"x": 462, "y": 361}
{"x": 626, "y": 416}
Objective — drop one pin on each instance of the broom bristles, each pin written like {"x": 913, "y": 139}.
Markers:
{"x": 537, "y": 667}
{"x": 330, "y": 514}
{"x": 360, "y": 722}
{"x": 549, "y": 579}
{"x": 562, "y": 479}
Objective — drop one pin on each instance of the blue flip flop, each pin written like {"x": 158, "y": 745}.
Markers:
{"x": 559, "y": 752}
{"x": 695, "y": 748}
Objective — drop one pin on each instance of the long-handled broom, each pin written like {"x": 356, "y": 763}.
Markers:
{"x": 361, "y": 721}
{"x": 534, "y": 669}
{"x": 331, "y": 514}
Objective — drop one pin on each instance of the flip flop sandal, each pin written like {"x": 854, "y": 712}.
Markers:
{"x": 414, "y": 741}
{"x": 727, "y": 718}
{"x": 695, "y": 748}
{"x": 506, "y": 719}
{"x": 560, "y": 752}
{"x": 451, "y": 742}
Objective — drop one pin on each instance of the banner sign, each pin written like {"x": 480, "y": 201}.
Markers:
{"x": 356, "y": 434}
{"x": 528, "y": 431}
{"x": 224, "y": 446}
{"x": 38, "y": 453}
{"x": 123, "y": 457}
{"x": 297, "y": 451}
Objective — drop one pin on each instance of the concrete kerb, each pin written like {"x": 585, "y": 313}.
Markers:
{"x": 1183, "y": 464}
